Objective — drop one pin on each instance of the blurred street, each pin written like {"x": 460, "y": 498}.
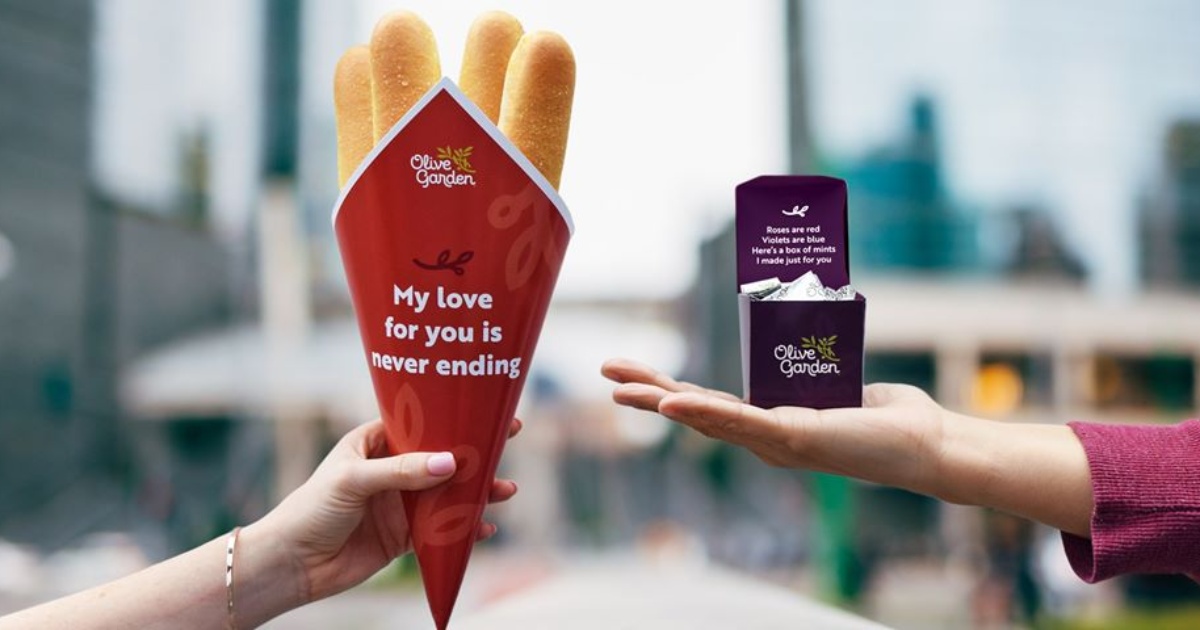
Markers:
{"x": 667, "y": 588}
{"x": 596, "y": 593}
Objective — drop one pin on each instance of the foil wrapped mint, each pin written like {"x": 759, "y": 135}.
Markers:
{"x": 806, "y": 288}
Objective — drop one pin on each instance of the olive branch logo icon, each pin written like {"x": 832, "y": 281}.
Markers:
{"x": 823, "y": 346}
{"x": 460, "y": 157}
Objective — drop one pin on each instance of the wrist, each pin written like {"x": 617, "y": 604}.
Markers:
{"x": 1036, "y": 471}
{"x": 963, "y": 471}
{"x": 267, "y": 579}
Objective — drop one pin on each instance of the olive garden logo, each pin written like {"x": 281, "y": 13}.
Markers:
{"x": 451, "y": 167}
{"x": 814, "y": 356}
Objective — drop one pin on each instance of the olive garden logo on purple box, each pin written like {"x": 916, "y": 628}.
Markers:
{"x": 814, "y": 356}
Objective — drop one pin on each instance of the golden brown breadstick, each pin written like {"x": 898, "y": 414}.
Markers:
{"x": 404, "y": 65}
{"x": 490, "y": 43}
{"x": 352, "y": 108}
{"x": 535, "y": 112}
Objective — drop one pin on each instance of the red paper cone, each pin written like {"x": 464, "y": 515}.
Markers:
{"x": 451, "y": 243}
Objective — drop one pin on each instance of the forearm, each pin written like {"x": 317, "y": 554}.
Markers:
{"x": 1037, "y": 471}
{"x": 185, "y": 591}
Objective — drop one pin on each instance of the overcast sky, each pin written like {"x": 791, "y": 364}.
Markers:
{"x": 1062, "y": 104}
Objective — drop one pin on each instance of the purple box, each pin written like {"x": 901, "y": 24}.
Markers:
{"x": 797, "y": 353}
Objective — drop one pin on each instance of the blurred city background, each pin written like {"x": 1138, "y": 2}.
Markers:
{"x": 177, "y": 348}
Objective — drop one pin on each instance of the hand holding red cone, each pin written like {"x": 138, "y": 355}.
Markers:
{"x": 452, "y": 235}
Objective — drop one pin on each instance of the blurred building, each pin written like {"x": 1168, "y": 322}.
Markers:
{"x": 1169, "y": 238}
{"x": 903, "y": 218}
{"x": 92, "y": 280}
{"x": 196, "y": 403}
{"x": 45, "y": 203}
{"x": 1041, "y": 254}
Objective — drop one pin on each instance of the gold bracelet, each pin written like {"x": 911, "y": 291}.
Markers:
{"x": 230, "y": 547}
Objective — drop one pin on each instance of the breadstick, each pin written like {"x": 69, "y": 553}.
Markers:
{"x": 352, "y": 108}
{"x": 535, "y": 112}
{"x": 490, "y": 43}
{"x": 404, "y": 65}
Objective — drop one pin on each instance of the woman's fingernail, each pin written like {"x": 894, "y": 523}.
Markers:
{"x": 440, "y": 465}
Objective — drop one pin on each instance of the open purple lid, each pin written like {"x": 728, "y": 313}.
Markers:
{"x": 788, "y": 225}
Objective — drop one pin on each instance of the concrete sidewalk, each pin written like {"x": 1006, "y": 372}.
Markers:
{"x": 585, "y": 593}
{"x": 625, "y": 593}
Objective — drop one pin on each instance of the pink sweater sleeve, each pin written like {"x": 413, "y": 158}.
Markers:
{"x": 1146, "y": 483}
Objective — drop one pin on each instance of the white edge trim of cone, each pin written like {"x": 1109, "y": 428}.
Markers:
{"x": 447, "y": 85}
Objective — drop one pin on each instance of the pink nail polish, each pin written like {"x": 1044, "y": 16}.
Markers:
{"x": 440, "y": 465}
